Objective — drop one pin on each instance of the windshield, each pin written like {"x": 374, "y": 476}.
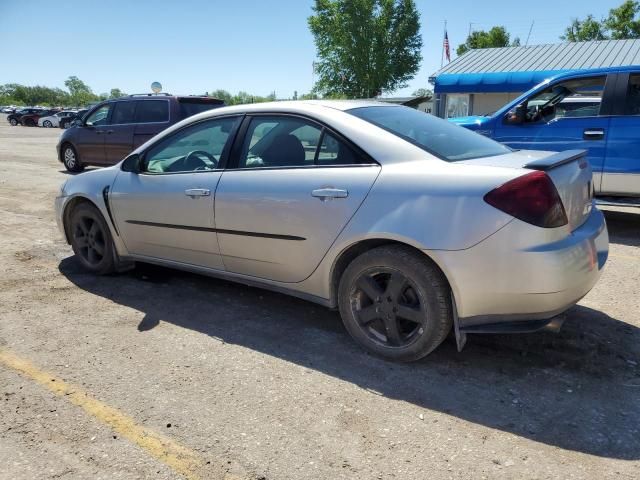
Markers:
{"x": 438, "y": 137}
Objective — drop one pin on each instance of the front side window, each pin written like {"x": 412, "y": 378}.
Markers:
{"x": 152, "y": 111}
{"x": 632, "y": 103}
{"x": 437, "y": 136}
{"x": 195, "y": 148}
{"x": 123, "y": 113}
{"x": 280, "y": 141}
{"x": 99, "y": 117}
{"x": 579, "y": 97}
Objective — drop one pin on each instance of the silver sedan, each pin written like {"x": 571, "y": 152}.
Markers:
{"x": 408, "y": 225}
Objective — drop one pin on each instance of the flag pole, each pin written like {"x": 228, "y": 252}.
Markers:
{"x": 442, "y": 54}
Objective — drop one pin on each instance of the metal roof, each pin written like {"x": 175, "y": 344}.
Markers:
{"x": 498, "y": 66}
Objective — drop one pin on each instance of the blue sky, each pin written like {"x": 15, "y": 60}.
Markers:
{"x": 252, "y": 45}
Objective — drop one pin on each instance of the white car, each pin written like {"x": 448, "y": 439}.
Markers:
{"x": 54, "y": 120}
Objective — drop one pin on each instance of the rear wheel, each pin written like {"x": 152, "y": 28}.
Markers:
{"x": 47, "y": 124}
{"x": 91, "y": 240}
{"x": 395, "y": 303}
{"x": 70, "y": 159}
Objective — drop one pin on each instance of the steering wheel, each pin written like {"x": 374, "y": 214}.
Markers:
{"x": 198, "y": 160}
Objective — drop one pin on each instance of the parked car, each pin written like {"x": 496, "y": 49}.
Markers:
{"x": 16, "y": 117}
{"x": 404, "y": 222}
{"x": 67, "y": 120}
{"x": 53, "y": 120}
{"x": 31, "y": 119}
{"x": 111, "y": 130}
{"x": 598, "y": 110}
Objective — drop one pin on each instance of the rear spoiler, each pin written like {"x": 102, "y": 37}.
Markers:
{"x": 555, "y": 160}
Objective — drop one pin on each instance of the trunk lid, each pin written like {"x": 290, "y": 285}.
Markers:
{"x": 570, "y": 172}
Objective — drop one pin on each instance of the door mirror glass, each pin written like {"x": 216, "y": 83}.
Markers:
{"x": 131, "y": 163}
{"x": 516, "y": 116}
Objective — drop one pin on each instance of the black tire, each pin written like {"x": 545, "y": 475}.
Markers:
{"x": 13, "y": 122}
{"x": 63, "y": 124}
{"x": 70, "y": 158}
{"x": 91, "y": 240}
{"x": 395, "y": 303}
{"x": 47, "y": 124}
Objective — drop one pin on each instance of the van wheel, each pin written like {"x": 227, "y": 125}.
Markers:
{"x": 70, "y": 159}
{"x": 395, "y": 303}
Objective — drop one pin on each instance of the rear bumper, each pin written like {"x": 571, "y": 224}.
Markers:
{"x": 523, "y": 273}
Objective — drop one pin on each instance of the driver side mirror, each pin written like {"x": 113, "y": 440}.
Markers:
{"x": 132, "y": 164}
{"x": 517, "y": 115}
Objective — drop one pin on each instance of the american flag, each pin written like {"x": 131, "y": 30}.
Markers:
{"x": 447, "y": 51}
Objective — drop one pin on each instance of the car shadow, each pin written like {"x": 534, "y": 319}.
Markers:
{"x": 578, "y": 390}
{"x": 624, "y": 227}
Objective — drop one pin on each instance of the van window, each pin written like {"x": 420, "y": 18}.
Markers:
{"x": 152, "y": 111}
{"x": 123, "y": 113}
{"x": 632, "y": 104}
{"x": 580, "y": 97}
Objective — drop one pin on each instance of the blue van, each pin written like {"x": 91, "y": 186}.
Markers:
{"x": 597, "y": 110}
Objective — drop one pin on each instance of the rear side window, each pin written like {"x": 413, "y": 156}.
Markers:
{"x": 434, "y": 135}
{"x": 152, "y": 111}
{"x": 123, "y": 113}
{"x": 191, "y": 106}
{"x": 632, "y": 103}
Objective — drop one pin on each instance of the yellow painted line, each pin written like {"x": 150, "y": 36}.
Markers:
{"x": 180, "y": 459}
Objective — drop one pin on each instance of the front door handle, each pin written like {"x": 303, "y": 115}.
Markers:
{"x": 593, "y": 134}
{"x": 328, "y": 193}
{"x": 197, "y": 192}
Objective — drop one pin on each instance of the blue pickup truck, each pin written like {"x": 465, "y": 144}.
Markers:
{"x": 596, "y": 110}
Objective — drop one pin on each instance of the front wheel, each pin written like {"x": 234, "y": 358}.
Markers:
{"x": 13, "y": 122}
{"x": 47, "y": 124}
{"x": 91, "y": 240}
{"x": 70, "y": 159}
{"x": 395, "y": 303}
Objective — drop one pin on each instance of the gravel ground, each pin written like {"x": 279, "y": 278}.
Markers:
{"x": 269, "y": 387}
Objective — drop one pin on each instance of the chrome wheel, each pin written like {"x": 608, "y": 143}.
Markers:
{"x": 47, "y": 124}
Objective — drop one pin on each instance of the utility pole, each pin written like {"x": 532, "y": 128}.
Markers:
{"x": 530, "y": 29}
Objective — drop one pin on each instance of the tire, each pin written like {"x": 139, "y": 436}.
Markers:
{"x": 13, "y": 122}
{"x": 64, "y": 125}
{"x": 395, "y": 303}
{"x": 91, "y": 240}
{"x": 70, "y": 159}
{"x": 47, "y": 124}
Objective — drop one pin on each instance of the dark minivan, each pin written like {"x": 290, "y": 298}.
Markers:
{"x": 111, "y": 130}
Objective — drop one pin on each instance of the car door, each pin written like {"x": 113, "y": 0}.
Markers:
{"x": 550, "y": 125}
{"x": 88, "y": 138}
{"x": 152, "y": 116}
{"x": 119, "y": 135}
{"x": 293, "y": 187}
{"x": 166, "y": 210}
{"x": 621, "y": 173}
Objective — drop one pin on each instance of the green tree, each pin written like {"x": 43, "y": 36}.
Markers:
{"x": 623, "y": 22}
{"x": 423, "y": 92}
{"x": 584, "y": 30}
{"x": 365, "y": 46}
{"x": 494, "y": 38}
{"x": 79, "y": 91}
{"x": 116, "y": 93}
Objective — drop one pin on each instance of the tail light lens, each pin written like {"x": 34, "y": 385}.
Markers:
{"x": 532, "y": 198}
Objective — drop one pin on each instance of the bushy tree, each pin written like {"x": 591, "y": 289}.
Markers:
{"x": 622, "y": 23}
{"x": 494, "y": 38}
{"x": 365, "y": 47}
{"x": 423, "y": 92}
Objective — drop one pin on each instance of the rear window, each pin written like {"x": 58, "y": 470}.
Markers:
{"x": 435, "y": 135}
{"x": 152, "y": 111}
{"x": 191, "y": 106}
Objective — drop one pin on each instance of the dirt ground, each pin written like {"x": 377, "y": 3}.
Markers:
{"x": 258, "y": 385}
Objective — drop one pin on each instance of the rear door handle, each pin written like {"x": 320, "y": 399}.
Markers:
{"x": 197, "y": 192}
{"x": 593, "y": 134}
{"x": 328, "y": 193}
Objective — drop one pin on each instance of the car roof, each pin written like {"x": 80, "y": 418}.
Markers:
{"x": 295, "y": 106}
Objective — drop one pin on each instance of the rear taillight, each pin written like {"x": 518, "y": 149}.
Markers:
{"x": 532, "y": 198}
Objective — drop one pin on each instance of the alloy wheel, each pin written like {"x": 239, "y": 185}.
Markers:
{"x": 89, "y": 240}
{"x": 69, "y": 157}
{"x": 388, "y": 308}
